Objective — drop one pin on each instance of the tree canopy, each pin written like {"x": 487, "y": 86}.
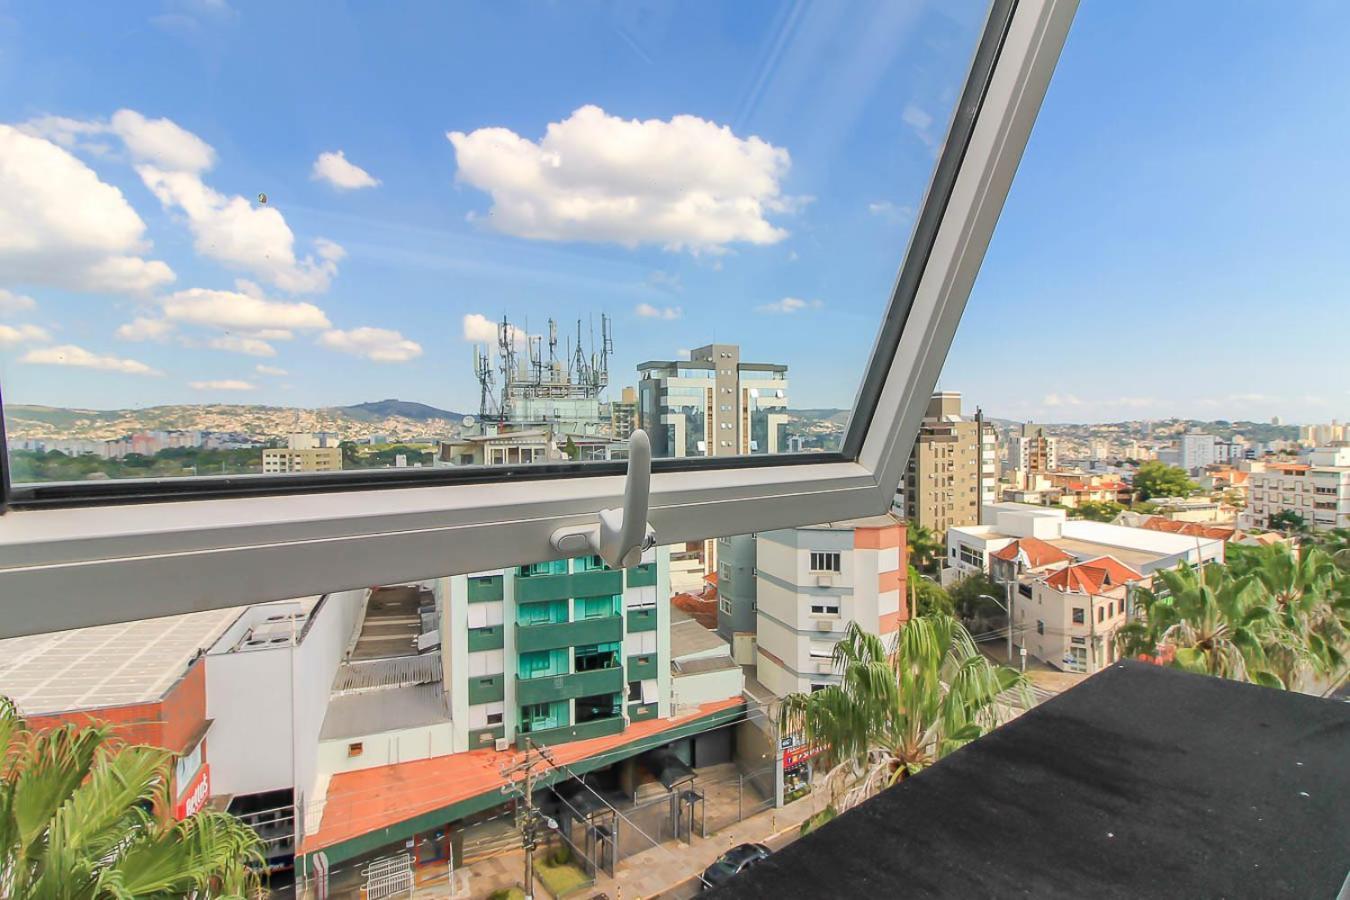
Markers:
{"x": 1157, "y": 479}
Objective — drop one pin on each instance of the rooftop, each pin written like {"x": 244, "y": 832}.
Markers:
{"x": 106, "y": 665}
{"x": 391, "y": 624}
{"x": 393, "y": 709}
{"x": 1141, "y": 781}
{"x": 689, "y": 638}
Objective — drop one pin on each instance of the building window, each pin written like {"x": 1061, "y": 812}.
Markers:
{"x": 1024, "y": 589}
{"x": 355, "y": 749}
{"x": 1078, "y": 616}
{"x": 724, "y": 604}
{"x": 1101, "y": 614}
{"x": 972, "y": 557}
{"x": 826, "y": 608}
{"x": 494, "y": 718}
{"x": 1040, "y": 627}
{"x": 818, "y": 686}
{"x": 824, "y": 561}
{"x": 597, "y": 656}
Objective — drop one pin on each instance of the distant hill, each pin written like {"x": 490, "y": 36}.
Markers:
{"x": 407, "y": 409}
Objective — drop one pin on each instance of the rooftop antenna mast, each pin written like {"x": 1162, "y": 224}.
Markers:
{"x": 506, "y": 349}
{"x": 482, "y": 370}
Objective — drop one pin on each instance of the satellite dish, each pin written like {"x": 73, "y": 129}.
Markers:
{"x": 468, "y": 421}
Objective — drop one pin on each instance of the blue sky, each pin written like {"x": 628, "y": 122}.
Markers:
{"x": 738, "y": 172}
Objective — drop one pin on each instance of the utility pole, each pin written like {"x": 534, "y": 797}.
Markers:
{"x": 520, "y": 787}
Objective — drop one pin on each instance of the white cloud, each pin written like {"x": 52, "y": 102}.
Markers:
{"x": 61, "y": 225}
{"x": 336, "y": 170}
{"x": 269, "y": 370}
{"x": 13, "y": 335}
{"x": 789, "y": 305}
{"x": 669, "y": 313}
{"x": 1056, "y": 400}
{"x": 375, "y": 344}
{"x": 162, "y": 142}
{"x": 223, "y": 384}
{"x": 479, "y": 329}
{"x": 686, "y": 183}
{"x": 667, "y": 281}
{"x": 142, "y": 328}
{"x": 235, "y": 311}
{"x": 11, "y": 303}
{"x": 236, "y": 233}
{"x": 249, "y": 346}
{"x": 921, "y": 123}
{"x": 71, "y": 355}
{"x": 885, "y": 209}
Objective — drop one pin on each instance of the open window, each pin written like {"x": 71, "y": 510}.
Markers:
{"x": 748, "y": 163}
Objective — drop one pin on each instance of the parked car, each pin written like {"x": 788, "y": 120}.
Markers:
{"x": 734, "y": 861}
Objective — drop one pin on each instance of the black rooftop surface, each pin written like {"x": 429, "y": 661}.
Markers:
{"x": 1140, "y": 782}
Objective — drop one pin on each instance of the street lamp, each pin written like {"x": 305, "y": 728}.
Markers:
{"x": 1007, "y": 608}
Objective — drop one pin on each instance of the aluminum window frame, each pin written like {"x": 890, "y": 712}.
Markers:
{"x": 139, "y": 549}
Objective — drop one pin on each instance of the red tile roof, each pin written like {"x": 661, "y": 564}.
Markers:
{"x": 1092, "y": 576}
{"x": 1192, "y": 529}
{"x": 703, "y": 609}
{"x": 370, "y": 799}
{"x": 1038, "y": 552}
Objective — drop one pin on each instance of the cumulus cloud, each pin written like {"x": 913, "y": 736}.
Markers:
{"x": 143, "y": 328}
{"x": 11, "y": 303}
{"x": 250, "y": 346}
{"x": 479, "y": 329}
{"x": 13, "y": 335}
{"x": 61, "y": 225}
{"x": 235, "y": 232}
{"x": 71, "y": 355}
{"x": 788, "y": 305}
{"x": 335, "y": 169}
{"x": 269, "y": 370}
{"x": 223, "y": 384}
{"x": 162, "y": 142}
{"x": 686, "y": 183}
{"x": 241, "y": 312}
{"x": 669, "y": 313}
{"x": 375, "y": 344}
{"x": 885, "y": 209}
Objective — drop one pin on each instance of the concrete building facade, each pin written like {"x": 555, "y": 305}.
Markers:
{"x": 1318, "y": 490}
{"x": 811, "y": 582}
{"x": 953, "y": 470}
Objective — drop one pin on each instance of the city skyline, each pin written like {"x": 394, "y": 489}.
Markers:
{"x": 410, "y": 202}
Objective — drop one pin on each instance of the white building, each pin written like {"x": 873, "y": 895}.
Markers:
{"x": 811, "y": 582}
{"x": 1068, "y": 615}
{"x": 970, "y": 547}
{"x": 1318, "y": 491}
{"x": 1198, "y": 450}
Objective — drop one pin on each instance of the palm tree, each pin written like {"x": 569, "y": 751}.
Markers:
{"x": 1312, "y": 609}
{"x": 1205, "y": 621}
{"x": 925, "y": 549}
{"x": 75, "y": 821}
{"x": 901, "y": 708}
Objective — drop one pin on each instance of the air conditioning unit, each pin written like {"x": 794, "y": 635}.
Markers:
{"x": 824, "y": 666}
{"x": 824, "y": 580}
{"x": 502, "y": 745}
{"x": 824, "y": 625}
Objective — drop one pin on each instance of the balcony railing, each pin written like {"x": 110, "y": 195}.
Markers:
{"x": 565, "y": 733}
{"x": 600, "y": 630}
{"x": 550, "y": 688}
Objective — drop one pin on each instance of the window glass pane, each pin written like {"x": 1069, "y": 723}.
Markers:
{"x": 686, "y": 218}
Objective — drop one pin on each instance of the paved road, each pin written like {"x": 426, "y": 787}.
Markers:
{"x": 690, "y": 887}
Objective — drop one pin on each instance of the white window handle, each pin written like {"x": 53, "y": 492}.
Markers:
{"x": 622, "y": 534}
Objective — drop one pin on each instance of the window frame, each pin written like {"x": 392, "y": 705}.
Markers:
{"x": 127, "y": 549}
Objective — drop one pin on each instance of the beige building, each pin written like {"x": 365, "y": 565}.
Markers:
{"x": 1318, "y": 491}
{"x": 623, "y": 414}
{"x": 1031, "y": 452}
{"x": 284, "y": 460}
{"x": 953, "y": 469}
{"x": 1067, "y": 616}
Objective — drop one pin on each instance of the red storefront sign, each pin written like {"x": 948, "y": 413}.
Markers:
{"x": 795, "y": 756}
{"x": 195, "y": 795}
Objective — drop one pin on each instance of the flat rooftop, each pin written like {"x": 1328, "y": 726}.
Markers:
{"x": 688, "y": 638}
{"x": 107, "y": 665}
{"x": 1140, "y": 782}
{"x": 391, "y": 624}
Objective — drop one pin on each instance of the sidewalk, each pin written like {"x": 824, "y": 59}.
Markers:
{"x": 651, "y": 873}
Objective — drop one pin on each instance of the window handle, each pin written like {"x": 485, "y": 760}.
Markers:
{"x": 621, "y": 535}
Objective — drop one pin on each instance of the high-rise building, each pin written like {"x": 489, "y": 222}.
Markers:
{"x": 1198, "y": 450}
{"x": 711, "y": 404}
{"x": 952, "y": 471}
{"x": 623, "y": 414}
{"x": 1031, "y": 452}
{"x": 811, "y": 582}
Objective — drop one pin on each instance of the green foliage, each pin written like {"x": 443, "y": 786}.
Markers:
{"x": 817, "y": 820}
{"x": 1157, "y": 479}
{"x": 969, "y": 597}
{"x": 175, "y": 462}
{"x": 561, "y": 879}
{"x": 561, "y": 855}
{"x": 925, "y": 548}
{"x": 1144, "y": 507}
{"x": 570, "y": 449}
{"x": 507, "y": 894}
{"x": 927, "y": 597}
{"x": 1099, "y": 510}
{"x": 902, "y": 707}
{"x": 1270, "y": 616}
{"x": 1288, "y": 522}
{"x": 74, "y": 822}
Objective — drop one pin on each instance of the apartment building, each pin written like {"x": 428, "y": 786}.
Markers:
{"x": 811, "y": 582}
{"x": 304, "y": 452}
{"x": 1031, "y": 452}
{"x": 623, "y": 414}
{"x": 953, "y": 470}
{"x": 556, "y": 651}
{"x": 712, "y": 404}
{"x": 1317, "y": 490}
{"x": 1067, "y": 615}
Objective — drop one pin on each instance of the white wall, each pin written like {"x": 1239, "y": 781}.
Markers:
{"x": 386, "y": 748}
{"x": 706, "y": 687}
